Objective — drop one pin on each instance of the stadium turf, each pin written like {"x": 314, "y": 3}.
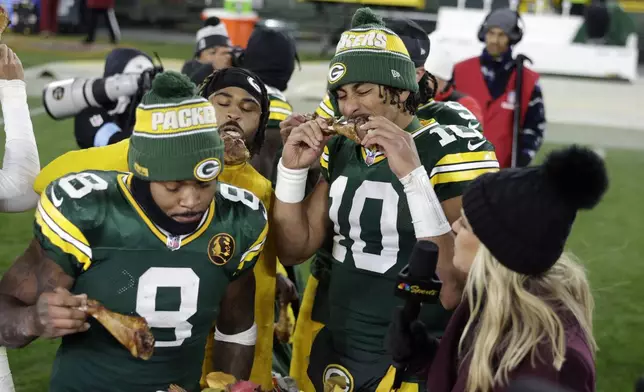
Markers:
{"x": 608, "y": 240}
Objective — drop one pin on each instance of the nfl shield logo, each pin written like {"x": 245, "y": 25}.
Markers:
{"x": 173, "y": 242}
{"x": 371, "y": 156}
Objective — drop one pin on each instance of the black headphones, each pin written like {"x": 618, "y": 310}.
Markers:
{"x": 515, "y": 35}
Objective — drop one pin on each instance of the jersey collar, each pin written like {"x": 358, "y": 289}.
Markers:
{"x": 171, "y": 241}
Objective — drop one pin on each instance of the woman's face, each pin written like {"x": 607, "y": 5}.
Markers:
{"x": 466, "y": 244}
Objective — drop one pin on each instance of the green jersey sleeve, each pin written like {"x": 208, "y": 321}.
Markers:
{"x": 279, "y": 108}
{"x": 456, "y": 156}
{"x": 248, "y": 211}
{"x": 69, "y": 210}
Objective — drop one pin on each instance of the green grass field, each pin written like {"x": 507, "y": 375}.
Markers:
{"x": 608, "y": 240}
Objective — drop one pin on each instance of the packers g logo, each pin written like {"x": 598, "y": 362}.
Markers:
{"x": 337, "y": 376}
{"x": 208, "y": 169}
{"x": 221, "y": 248}
{"x": 336, "y": 72}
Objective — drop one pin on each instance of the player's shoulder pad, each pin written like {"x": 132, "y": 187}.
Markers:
{"x": 455, "y": 144}
{"x": 325, "y": 108}
{"x": 241, "y": 202}
{"x": 275, "y": 94}
{"x": 77, "y": 202}
{"x": 250, "y": 215}
{"x": 279, "y": 107}
{"x": 454, "y": 113}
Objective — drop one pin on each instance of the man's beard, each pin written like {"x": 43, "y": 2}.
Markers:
{"x": 233, "y": 136}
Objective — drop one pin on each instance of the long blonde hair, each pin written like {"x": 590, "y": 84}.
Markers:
{"x": 511, "y": 314}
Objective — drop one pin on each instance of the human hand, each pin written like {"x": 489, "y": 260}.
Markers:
{"x": 397, "y": 145}
{"x": 291, "y": 122}
{"x": 10, "y": 65}
{"x": 305, "y": 144}
{"x": 59, "y": 313}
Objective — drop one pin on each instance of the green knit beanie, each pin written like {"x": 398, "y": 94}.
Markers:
{"x": 371, "y": 53}
{"x": 175, "y": 136}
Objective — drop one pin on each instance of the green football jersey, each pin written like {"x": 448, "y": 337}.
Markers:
{"x": 90, "y": 224}
{"x": 448, "y": 113}
{"x": 373, "y": 230}
{"x": 444, "y": 113}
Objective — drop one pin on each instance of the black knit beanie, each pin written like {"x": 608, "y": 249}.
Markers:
{"x": 524, "y": 216}
{"x": 271, "y": 55}
{"x": 413, "y": 36}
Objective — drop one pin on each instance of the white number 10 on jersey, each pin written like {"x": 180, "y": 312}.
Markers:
{"x": 388, "y": 220}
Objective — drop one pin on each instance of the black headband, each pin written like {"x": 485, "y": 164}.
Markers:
{"x": 235, "y": 78}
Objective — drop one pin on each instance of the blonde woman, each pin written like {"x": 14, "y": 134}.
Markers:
{"x": 527, "y": 307}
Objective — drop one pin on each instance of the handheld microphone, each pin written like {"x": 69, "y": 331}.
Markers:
{"x": 417, "y": 283}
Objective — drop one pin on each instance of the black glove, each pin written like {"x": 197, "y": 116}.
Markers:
{"x": 410, "y": 343}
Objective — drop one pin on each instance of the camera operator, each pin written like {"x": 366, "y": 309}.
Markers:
{"x": 212, "y": 51}
{"x": 96, "y": 127}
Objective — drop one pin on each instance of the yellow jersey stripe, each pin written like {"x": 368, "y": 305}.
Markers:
{"x": 464, "y": 157}
{"x": 324, "y": 163}
{"x": 280, "y": 104}
{"x": 464, "y": 166}
{"x": 431, "y": 124}
{"x": 460, "y": 176}
{"x": 125, "y": 181}
{"x": 277, "y": 116}
{"x": 62, "y": 239}
{"x": 280, "y": 110}
{"x": 60, "y": 220}
{"x": 324, "y": 158}
{"x": 325, "y": 110}
{"x": 429, "y": 103}
{"x": 321, "y": 113}
{"x": 254, "y": 249}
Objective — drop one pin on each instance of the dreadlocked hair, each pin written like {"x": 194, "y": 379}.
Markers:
{"x": 427, "y": 91}
{"x": 208, "y": 87}
{"x": 391, "y": 96}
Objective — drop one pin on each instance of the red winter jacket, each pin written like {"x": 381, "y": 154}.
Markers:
{"x": 100, "y": 4}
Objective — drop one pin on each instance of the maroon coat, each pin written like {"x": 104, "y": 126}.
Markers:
{"x": 100, "y": 4}
{"x": 577, "y": 372}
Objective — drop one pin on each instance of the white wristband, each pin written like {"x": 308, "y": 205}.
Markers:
{"x": 6, "y": 382}
{"x": 291, "y": 184}
{"x": 424, "y": 207}
{"x": 246, "y": 338}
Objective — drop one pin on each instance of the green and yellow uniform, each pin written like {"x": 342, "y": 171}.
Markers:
{"x": 90, "y": 224}
{"x": 315, "y": 304}
{"x": 373, "y": 238}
